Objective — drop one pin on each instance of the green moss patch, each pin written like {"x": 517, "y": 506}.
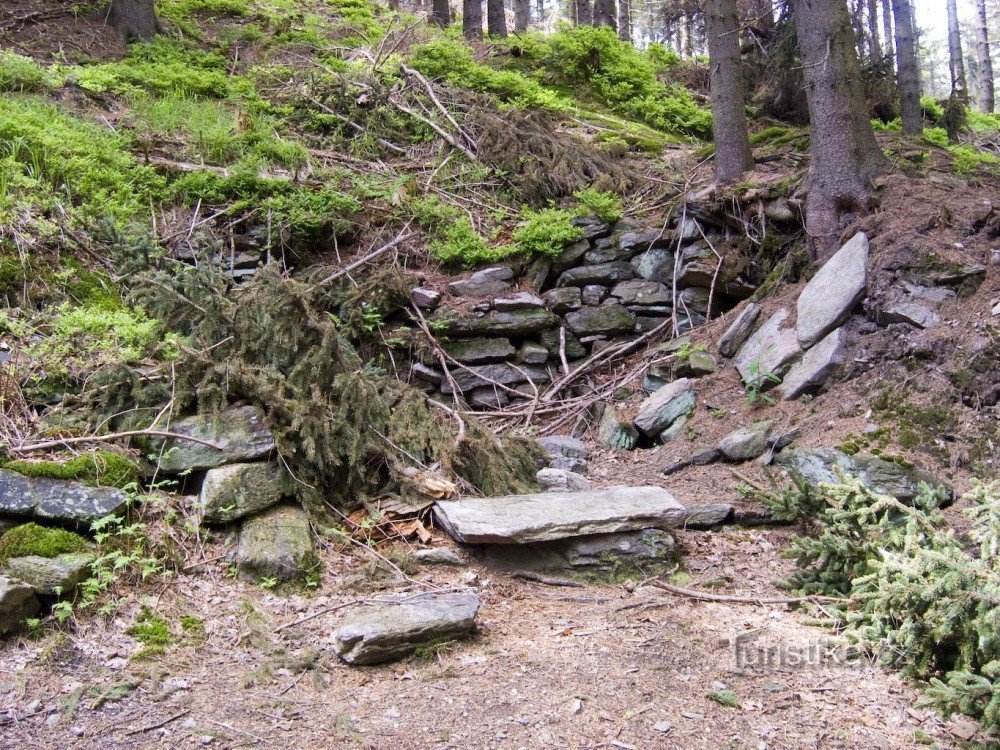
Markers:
{"x": 99, "y": 468}
{"x": 32, "y": 539}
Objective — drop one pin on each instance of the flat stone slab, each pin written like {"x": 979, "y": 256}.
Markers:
{"x": 737, "y": 333}
{"x": 665, "y": 406}
{"x": 52, "y": 576}
{"x": 523, "y": 519}
{"x": 833, "y": 292}
{"x": 816, "y": 366}
{"x": 771, "y": 349}
{"x": 239, "y": 434}
{"x": 385, "y": 631}
{"x": 56, "y": 499}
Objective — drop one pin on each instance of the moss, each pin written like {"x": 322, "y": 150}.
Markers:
{"x": 193, "y": 629}
{"x": 153, "y": 632}
{"x": 725, "y": 698}
{"x": 99, "y": 469}
{"x": 32, "y": 539}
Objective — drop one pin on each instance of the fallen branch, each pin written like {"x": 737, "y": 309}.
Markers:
{"x": 48, "y": 444}
{"x": 704, "y": 596}
{"x": 437, "y": 102}
{"x": 539, "y": 578}
{"x": 435, "y": 127}
{"x": 367, "y": 259}
{"x": 151, "y": 727}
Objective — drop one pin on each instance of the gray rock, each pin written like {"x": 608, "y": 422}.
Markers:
{"x": 488, "y": 397}
{"x": 640, "y": 242}
{"x": 779, "y": 210}
{"x": 822, "y": 465}
{"x": 574, "y": 349}
{"x": 239, "y": 434}
{"x": 608, "y": 254}
{"x": 480, "y": 351}
{"x": 563, "y": 299}
{"x": 615, "y": 434}
{"x": 674, "y": 431}
{"x": 610, "y": 320}
{"x": 594, "y": 294}
{"x": 656, "y": 376}
{"x": 564, "y": 445}
{"x": 426, "y": 299}
{"x": 833, "y": 292}
{"x": 665, "y": 406}
{"x": 697, "y": 273}
{"x": 384, "y": 631}
{"x": 17, "y": 603}
{"x": 537, "y": 274}
{"x": 689, "y": 320}
{"x": 696, "y": 365}
{"x": 957, "y": 275}
{"x": 438, "y": 556}
{"x": 700, "y": 457}
{"x": 68, "y": 502}
{"x": 816, "y": 366}
{"x": 604, "y": 274}
{"x": 277, "y": 544}
{"x": 929, "y": 293}
{"x": 655, "y": 265}
{"x": 569, "y": 463}
{"x": 689, "y": 229}
{"x": 518, "y": 301}
{"x": 485, "y": 283}
{"x": 559, "y": 480}
{"x": 911, "y": 313}
{"x": 523, "y": 519}
{"x": 571, "y": 256}
{"x": 52, "y": 576}
{"x": 747, "y": 443}
{"x": 427, "y": 374}
{"x": 639, "y": 292}
{"x": 771, "y": 349}
{"x": 478, "y": 376}
{"x": 695, "y": 298}
{"x": 237, "y": 490}
{"x": 531, "y": 353}
{"x": 592, "y": 227}
{"x": 740, "y": 329}
{"x": 708, "y": 515}
{"x": 513, "y": 323}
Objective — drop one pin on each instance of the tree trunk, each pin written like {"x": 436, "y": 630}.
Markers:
{"x": 496, "y": 19}
{"x": 604, "y": 13}
{"x": 987, "y": 97}
{"x": 134, "y": 19}
{"x": 887, "y": 28}
{"x": 907, "y": 72}
{"x": 729, "y": 118}
{"x": 522, "y": 15}
{"x": 959, "y": 86}
{"x": 440, "y": 13}
{"x": 625, "y": 20}
{"x": 472, "y": 19}
{"x": 844, "y": 155}
{"x": 584, "y": 13}
{"x": 540, "y": 12}
{"x": 689, "y": 29}
{"x": 874, "y": 43}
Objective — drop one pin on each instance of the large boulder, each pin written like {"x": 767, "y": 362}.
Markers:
{"x": 17, "y": 603}
{"x": 56, "y": 499}
{"x": 739, "y": 330}
{"x": 277, "y": 544}
{"x": 377, "y": 632}
{"x": 833, "y": 292}
{"x": 52, "y": 576}
{"x": 237, "y": 490}
{"x": 524, "y": 519}
{"x": 238, "y": 436}
{"x": 609, "y": 320}
{"x": 772, "y": 349}
{"x": 816, "y": 466}
{"x": 665, "y": 406}
{"x": 816, "y": 366}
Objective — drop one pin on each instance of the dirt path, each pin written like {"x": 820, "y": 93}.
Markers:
{"x": 605, "y": 666}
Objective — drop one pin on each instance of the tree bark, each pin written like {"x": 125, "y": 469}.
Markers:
{"x": 625, "y": 20}
{"x": 887, "y": 28}
{"x": 472, "y": 19}
{"x": 134, "y": 19}
{"x": 874, "y": 42}
{"x": 844, "y": 155}
{"x": 729, "y": 119}
{"x": 522, "y": 15}
{"x": 584, "y": 13}
{"x": 605, "y": 13}
{"x": 689, "y": 29}
{"x": 496, "y": 19}
{"x": 959, "y": 85}
{"x": 987, "y": 96}
{"x": 540, "y": 12}
{"x": 440, "y": 13}
{"x": 907, "y": 72}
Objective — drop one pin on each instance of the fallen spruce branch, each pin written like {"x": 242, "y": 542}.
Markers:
{"x": 704, "y": 596}
{"x": 49, "y": 444}
{"x": 527, "y": 575}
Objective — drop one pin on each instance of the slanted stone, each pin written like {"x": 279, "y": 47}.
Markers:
{"x": 571, "y": 256}
{"x": 708, "y": 515}
{"x": 822, "y": 465}
{"x": 929, "y": 293}
{"x": 833, "y": 292}
{"x": 52, "y": 576}
{"x": 958, "y": 275}
{"x": 747, "y": 443}
{"x": 740, "y": 329}
{"x": 911, "y": 313}
{"x": 427, "y": 374}
{"x": 438, "y": 556}
{"x": 512, "y": 323}
{"x": 518, "y": 301}
{"x": 239, "y": 434}
{"x": 696, "y": 365}
{"x": 638, "y": 292}
{"x": 594, "y": 294}
{"x": 574, "y": 349}
{"x": 383, "y": 631}
{"x": 560, "y": 480}
{"x": 58, "y": 500}
{"x": 524, "y": 519}
{"x": 674, "y": 431}
{"x": 689, "y": 320}
{"x": 424, "y": 298}
{"x": 486, "y": 283}
{"x": 696, "y": 298}
{"x": 608, "y": 254}
{"x": 605, "y": 274}
{"x": 771, "y": 349}
{"x": 488, "y": 397}
{"x": 480, "y": 351}
{"x": 820, "y": 362}
{"x": 665, "y": 406}
{"x": 237, "y": 490}
{"x": 640, "y": 242}
{"x": 18, "y": 603}
{"x": 563, "y": 299}
{"x": 615, "y": 434}
{"x": 610, "y": 320}
{"x": 592, "y": 227}
{"x": 531, "y": 353}
{"x": 696, "y": 273}
{"x": 655, "y": 265}
{"x": 699, "y": 457}
{"x": 537, "y": 274}
{"x": 277, "y": 544}
{"x": 478, "y": 376}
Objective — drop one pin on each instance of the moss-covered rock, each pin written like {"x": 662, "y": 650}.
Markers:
{"x": 232, "y": 492}
{"x": 17, "y": 603}
{"x": 40, "y": 541}
{"x": 98, "y": 469}
{"x": 64, "y": 501}
{"x": 52, "y": 576}
{"x": 277, "y": 545}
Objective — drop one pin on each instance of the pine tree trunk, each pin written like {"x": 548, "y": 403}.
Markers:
{"x": 522, "y": 15}
{"x": 584, "y": 13}
{"x": 472, "y": 19}
{"x": 729, "y": 119}
{"x": 959, "y": 85}
{"x": 625, "y": 20}
{"x": 440, "y": 13}
{"x": 907, "y": 72}
{"x": 874, "y": 42}
{"x": 987, "y": 98}
{"x": 496, "y": 18}
{"x": 540, "y": 12}
{"x": 605, "y": 14}
{"x": 689, "y": 29}
{"x": 844, "y": 155}
{"x": 887, "y": 28}
{"x": 134, "y": 19}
